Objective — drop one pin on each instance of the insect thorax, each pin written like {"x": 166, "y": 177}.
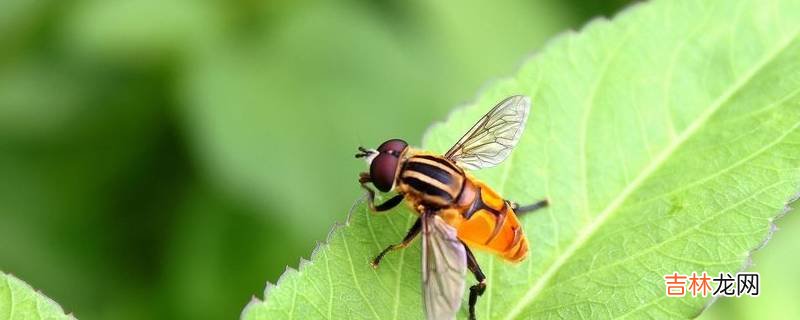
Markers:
{"x": 431, "y": 180}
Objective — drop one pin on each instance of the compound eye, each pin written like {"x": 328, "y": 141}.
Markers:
{"x": 382, "y": 171}
{"x": 393, "y": 146}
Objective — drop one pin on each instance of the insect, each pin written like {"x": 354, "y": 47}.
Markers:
{"x": 456, "y": 211}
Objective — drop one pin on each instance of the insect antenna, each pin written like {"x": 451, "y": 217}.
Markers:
{"x": 363, "y": 153}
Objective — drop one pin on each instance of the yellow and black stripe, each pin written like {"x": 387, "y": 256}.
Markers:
{"x": 437, "y": 180}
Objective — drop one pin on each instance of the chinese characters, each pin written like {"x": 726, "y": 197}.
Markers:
{"x": 725, "y": 284}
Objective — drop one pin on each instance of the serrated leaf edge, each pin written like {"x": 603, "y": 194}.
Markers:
{"x": 773, "y": 227}
{"x": 459, "y": 107}
{"x": 303, "y": 263}
{"x": 38, "y": 293}
{"x": 596, "y": 22}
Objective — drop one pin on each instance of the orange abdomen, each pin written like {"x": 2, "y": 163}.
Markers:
{"x": 493, "y": 226}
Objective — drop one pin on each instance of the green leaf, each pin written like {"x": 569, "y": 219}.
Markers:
{"x": 777, "y": 265}
{"x": 238, "y": 95}
{"x": 666, "y": 140}
{"x": 19, "y": 301}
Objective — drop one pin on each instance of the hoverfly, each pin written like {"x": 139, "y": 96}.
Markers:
{"x": 456, "y": 210}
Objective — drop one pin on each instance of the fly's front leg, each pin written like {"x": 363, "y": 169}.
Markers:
{"x": 364, "y": 178}
{"x": 521, "y": 210}
{"x": 391, "y": 203}
{"x": 410, "y": 236}
{"x": 476, "y": 290}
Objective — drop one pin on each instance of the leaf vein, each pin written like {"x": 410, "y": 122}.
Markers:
{"x": 617, "y": 202}
{"x": 355, "y": 278}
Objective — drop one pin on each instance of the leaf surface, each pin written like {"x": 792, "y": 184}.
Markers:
{"x": 19, "y": 301}
{"x": 666, "y": 140}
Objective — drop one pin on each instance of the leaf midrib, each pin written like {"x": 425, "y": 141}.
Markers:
{"x": 710, "y": 217}
{"x": 595, "y": 224}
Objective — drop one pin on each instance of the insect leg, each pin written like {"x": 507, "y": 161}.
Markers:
{"x": 520, "y": 210}
{"x": 410, "y": 236}
{"x": 476, "y": 290}
{"x": 391, "y": 203}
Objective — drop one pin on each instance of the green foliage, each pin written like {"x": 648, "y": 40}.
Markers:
{"x": 666, "y": 141}
{"x": 156, "y": 142}
{"x": 19, "y": 301}
{"x": 268, "y": 114}
{"x": 779, "y": 279}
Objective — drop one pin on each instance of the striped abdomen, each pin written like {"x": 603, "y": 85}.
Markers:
{"x": 435, "y": 180}
{"x": 491, "y": 224}
{"x": 482, "y": 218}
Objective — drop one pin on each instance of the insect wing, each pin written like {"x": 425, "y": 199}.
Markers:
{"x": 490, "y": 141}
{"x": 444, "y": 264}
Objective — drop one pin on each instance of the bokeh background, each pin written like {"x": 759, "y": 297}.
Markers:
{"x": 164, "y": 159}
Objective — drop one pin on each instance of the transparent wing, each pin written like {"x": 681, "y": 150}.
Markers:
{"x": 444, "y": 264}
{"x": 490, "y": 140}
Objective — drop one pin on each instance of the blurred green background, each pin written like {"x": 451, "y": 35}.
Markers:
{"x": 164, "y": 159}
